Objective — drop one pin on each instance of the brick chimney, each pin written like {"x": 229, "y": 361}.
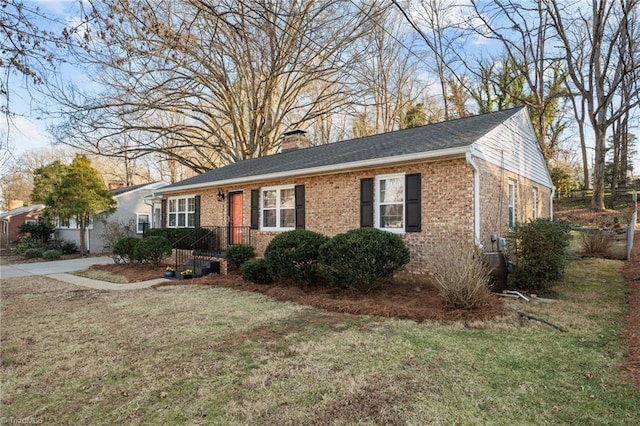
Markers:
{"x": 115, "y": 185}
{"x": 15, "y": 204}
{"x": 295, "y": 139}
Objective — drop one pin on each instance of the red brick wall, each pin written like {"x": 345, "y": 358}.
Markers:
{"x": 494, "y": 184}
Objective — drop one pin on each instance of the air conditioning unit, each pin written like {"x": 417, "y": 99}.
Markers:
{"x": 502, "y": 244}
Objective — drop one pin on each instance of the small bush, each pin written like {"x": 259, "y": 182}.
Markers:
{"x": 33, "y": 253}
{"x": 152, "y": 249}
{"x": 22, "y": 248}
{"x": 66, "y": 247}
{"x": 52, "y": 254}
{"x": 359, "y": 258}
{"x": 539, "y": 249}
{"x": 124, "y": 250}
{"x": 461, "y": 275}
{"x": 596, "y": 242}
{"x": 256, "y": 271}
{"x": 239, "y": 254}
{"x": 114, "y": 231}
{"x": 293, "y": 255}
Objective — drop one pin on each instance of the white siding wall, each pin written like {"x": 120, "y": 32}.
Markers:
{"x": 513, "y": 145}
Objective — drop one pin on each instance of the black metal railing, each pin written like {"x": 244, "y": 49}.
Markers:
{"x": 195, "y": 249}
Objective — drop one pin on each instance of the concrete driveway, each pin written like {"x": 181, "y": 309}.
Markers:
{"x": 53, "y": 267}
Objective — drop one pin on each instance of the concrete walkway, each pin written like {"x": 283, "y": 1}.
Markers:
{"x": 58, "y": 269}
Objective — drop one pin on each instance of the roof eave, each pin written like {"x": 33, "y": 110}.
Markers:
{"x": 331, "y": 169}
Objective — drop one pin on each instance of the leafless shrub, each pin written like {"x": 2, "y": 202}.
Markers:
{"x": 596, "y": 242}
{"x": 461, "y": 275}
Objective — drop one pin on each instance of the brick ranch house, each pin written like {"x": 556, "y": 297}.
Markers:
{"x": 12, "y": 219}
{"x": 462, "y": 179}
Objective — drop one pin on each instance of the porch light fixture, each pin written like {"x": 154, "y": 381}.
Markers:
{"x": 220, "y": 195}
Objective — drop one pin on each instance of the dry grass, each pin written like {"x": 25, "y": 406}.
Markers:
{"x": 96, "y": 274}
{"x": 205, "y": 355}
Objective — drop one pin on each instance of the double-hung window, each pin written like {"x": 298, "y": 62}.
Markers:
{"x": 389, "y": 198}
{"x": 182, "y": 212}
{"x": 142, "y": 223}
{"x": 278, "y": 208}
{"x": 511, "y": 206}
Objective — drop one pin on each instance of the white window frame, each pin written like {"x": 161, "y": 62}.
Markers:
{"x": 138, "y": 230}
{"x": 379, "y": 204}
{"x": 5, "y": 226}
{"x": 535, "y": 204}
{"x": 278, "y": 208}
{"x": 179, "y": 212}
{"x": 512, "y": 212}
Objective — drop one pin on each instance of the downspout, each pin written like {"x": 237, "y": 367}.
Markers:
{"x": 553, "y": 194}
{"x": 476, "y": 198}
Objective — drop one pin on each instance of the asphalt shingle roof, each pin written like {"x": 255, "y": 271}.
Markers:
{"x": 457, "y": 133}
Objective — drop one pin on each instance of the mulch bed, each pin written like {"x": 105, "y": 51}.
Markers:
{"x": 417, "y": 302}
{"x": 632, "y": 275}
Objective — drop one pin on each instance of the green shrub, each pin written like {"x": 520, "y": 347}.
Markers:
{"x": 52, "y": 254}
{"x": 124, "y": 250}
{"x": 66, "y": 247}
{"x": 539, "y": 249}
{"x": 293, "y": 256}
{"x": 239, "y": 254}
{"x": 22, "y": 248}
{"x": 33, "y": 253}
{"x": 461, "y": 274}
{"x": 152, "y": 249}
{"x": 359, "y": 258}
{"x": 40, "y": 231}
{"x": 256, "y": 271}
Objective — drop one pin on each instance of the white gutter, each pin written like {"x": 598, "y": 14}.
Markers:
{"x": 335, "y": 168}
{"x": 476, "y": 198}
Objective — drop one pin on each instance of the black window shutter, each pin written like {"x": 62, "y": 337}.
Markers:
{"x": 366, "y": 203}
{"x": 196, "y": 201}
{"x": 413, "y": 203}
{"x": 299, "y": 191}
{"x": 163, "y": 213}
{"x": 255, "y": 208}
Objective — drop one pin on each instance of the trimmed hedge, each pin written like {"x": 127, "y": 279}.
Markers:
{"x": 125, "y": 249}
{"x": 152, "y": 249}
{"x": 359, "y": 258}
{"x": 33, "y": 253}
{"x": 239, "y": 254}
{"x": 256, "y": 271}
{"x": 293, "y": 256}
{"x": 52, "y": 254}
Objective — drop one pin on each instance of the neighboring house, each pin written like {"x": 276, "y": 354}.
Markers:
{"x": 12, "y": 219}
{"x": 469, "y": 178}
{"x": 133, "y": 206}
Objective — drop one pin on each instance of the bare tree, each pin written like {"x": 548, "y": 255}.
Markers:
{"x": 601, "y": 45}
{"x": 523, "y": 29}
{"x": 384, "y": 69}
{"x": 206, "y": 84}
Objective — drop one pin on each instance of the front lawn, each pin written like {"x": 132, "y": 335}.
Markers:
{"x": 207, "y": 355}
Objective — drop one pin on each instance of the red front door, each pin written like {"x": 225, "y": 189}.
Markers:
{"x": 235, "y": 212}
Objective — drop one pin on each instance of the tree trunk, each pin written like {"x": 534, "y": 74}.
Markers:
{"x": 83, "y": 231}
{"x": 597, "y": 201}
